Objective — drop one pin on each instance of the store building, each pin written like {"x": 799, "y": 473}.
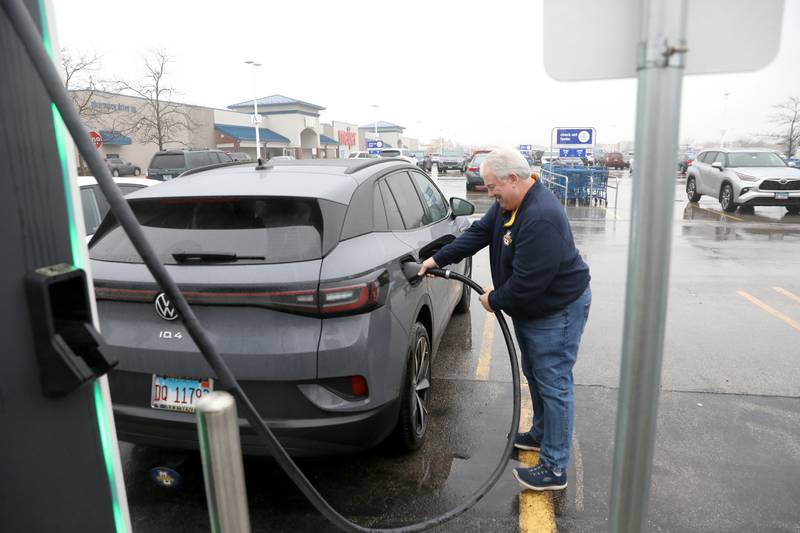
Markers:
{"x": 390, "y": 134}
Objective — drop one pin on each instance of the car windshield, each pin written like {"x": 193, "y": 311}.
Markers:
{"x": 278, "y": 229}
{"x": 754, "y": 159}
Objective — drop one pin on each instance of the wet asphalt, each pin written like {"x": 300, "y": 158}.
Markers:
{"x": 728, "y": 444}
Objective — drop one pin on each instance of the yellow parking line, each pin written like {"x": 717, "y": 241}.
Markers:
{"x": 788, "y": 294}
{"x": 777, "y": 314}
{"x": 721, "y": 213}
{"x": 485, "y": 359}
{"x": 536, "y": 511}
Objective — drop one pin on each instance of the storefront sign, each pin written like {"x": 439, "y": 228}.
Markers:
{"x": 97, "y": 139}
{"x": 347, "y": 138}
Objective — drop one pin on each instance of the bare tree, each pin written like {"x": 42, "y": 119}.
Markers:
{"x": 787, "y": 121}
{"x": 160, "y": 120}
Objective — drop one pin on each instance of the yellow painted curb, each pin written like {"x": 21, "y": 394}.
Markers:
{"x": 536, "y": 511}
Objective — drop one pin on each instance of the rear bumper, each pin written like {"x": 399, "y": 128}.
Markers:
{"x": 302, "y": 437}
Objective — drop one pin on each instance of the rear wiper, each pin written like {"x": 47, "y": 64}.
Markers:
{"x": 212, "y": 257}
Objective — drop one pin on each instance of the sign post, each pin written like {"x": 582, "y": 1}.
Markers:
{"x": 373, "y": 147}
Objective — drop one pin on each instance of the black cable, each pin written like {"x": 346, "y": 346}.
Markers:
{"x": 32, "y": 42}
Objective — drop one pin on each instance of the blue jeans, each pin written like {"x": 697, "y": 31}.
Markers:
{"x": 549, "y": 349}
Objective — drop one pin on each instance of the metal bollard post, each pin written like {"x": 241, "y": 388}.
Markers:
{"x": 218, "y": 430}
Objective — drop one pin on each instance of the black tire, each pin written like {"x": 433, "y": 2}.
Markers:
{"x": 463, "y": 303}
{"x": 415, "y": 397}
{"x": 793, "y": 209}
{"x": 115, "y": 173}
{"x": 137, "y": 171}
{"x": 691, "y": 190}
{"x": 726, "y": 198}
{"x": 470, "y": 187}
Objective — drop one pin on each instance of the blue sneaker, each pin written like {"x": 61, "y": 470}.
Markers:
{"x": 540, "y": 477}
{"x": 524, "y": 441}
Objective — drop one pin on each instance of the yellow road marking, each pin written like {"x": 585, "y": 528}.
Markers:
{"x": 788, "y": 294}
{"x": 774, "y": 312}
{"x": 721, "y": 213}
{"x": 536, "y": 511}
{"x": 485, "y": 359}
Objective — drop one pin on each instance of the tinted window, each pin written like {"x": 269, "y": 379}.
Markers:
{"x": 390, "y": 153}
{"x": 707, "y": 157}
{"x": 720, "y": 158}
{"x": 278, "y": 230}
{"x": 407, "y": 200}
{"x": 437, "y": 206}
{"x": 379, "y": 221}
{"x": 91, "y": 211}
{"x": 168, "y": 161}
{"x": 199, "y": 159}
{"x": 224, "y": 158}
{"x": 392, "y": 212}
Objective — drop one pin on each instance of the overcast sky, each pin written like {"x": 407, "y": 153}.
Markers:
{"x": 468, "y": 71}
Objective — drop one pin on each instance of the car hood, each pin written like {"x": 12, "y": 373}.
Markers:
{"x": 769, "y": 172}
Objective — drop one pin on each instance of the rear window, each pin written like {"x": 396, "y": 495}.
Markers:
{"x": 390, "y": 153}
{"x": 168, "y": 161}
{"x": 266, "y": 229}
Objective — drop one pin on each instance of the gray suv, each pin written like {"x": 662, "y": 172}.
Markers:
{"x": 295, "y": 269}
{"x": 169, "y": 164}
{"x": 744, "y": 177}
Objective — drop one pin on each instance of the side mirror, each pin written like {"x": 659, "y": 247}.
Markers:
{"x": 461, "y": 207}
{"x": 717, "y": 165}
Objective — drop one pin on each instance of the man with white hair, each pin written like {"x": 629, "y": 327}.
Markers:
{"x": 542, "y": 283}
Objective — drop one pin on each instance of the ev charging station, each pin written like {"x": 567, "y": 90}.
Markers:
{"x": 59, "y": 458}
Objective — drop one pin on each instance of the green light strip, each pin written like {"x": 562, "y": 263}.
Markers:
{"x": 99, "y": 406}
{"x": 77, "y": 260}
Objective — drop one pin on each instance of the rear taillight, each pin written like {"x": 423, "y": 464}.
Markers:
{"x": 358, "y": 385}
{"x": 328, "y": 299}
{"x": 689, "y": 162}
{"x": 472, "y": 169}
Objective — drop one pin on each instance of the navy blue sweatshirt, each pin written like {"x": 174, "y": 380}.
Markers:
{"x": 536, "y": 269}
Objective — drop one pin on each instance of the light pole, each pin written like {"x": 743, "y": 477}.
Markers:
{"x": 376, "y": 120}
{"x": 256, "y": 121}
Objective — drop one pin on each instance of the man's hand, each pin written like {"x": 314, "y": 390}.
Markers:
{"x": 484, "y": 299}
{"x": 426, "y": 265}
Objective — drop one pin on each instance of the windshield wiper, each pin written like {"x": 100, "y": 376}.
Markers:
{"x": 212, "y": 257}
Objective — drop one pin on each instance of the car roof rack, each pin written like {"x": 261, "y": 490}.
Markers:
{"x": 212, "y": 167}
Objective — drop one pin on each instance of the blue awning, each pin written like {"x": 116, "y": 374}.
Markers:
{"x": 248, "y": 133}
{"x": 114, "y": 137}
{"x": 324, "y": 139}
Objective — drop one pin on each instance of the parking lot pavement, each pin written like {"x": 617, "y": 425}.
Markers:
{"x": 727, "y": 455}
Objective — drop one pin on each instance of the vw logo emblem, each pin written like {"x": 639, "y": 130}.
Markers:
{"x": 164, "y": 307}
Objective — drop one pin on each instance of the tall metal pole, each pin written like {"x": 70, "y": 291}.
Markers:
{"x": 661, "y": 63}
{"x": 257, "y": 124}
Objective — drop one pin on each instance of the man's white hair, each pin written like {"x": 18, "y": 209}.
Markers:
{"x": 506, "y": 161}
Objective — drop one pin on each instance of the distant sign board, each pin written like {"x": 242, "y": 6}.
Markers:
{"x": 374, "y": 144}
{"x": 374, "y": 151}
{"x": 572, "y": 152}
{"x": 574, "y": 137}
{"x": 745, "y": 35}
{"x": 524, "y": 147}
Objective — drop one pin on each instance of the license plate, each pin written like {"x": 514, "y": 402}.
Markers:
{"x": 178, "y": 394}
{"x": 167, "y": 176}
{"x": 781, "y": 195}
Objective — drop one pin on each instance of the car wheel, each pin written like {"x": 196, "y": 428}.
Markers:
{"x": 412, "y": 426}
{"x": 793, "y": 209}
{"x": 115, "y": 173}
{"x": 463, "y": 304}
{"x": 137, "y": 172}
{"x": 691, "y": 190}
{"x": 726, "y": 198}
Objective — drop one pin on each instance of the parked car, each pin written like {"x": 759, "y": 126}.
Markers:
{"x": 793, "y": 162}
{"x": 298, "y": 279}
{"x": 744, "y": 177}
{"x": 362, "y": 155}
{"x": 425, "y": 162}
{"x": 549, "y": 156}
{"x": 121, "y": 167}
{"x": 239, "y": 156}
{"x": 615, "y": 160}
{"x": 169, "y": 164}
{"x": 402, "y": 153}
{"x": 450, "y": 161}
{"x": 94, "y": 203}
{"x": 685, "y": 160}
{"x": 473, "y": 173}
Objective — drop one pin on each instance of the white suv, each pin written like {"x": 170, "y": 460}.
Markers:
{"x": 744, "y": 177}
{"x": 402, "y": 153}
